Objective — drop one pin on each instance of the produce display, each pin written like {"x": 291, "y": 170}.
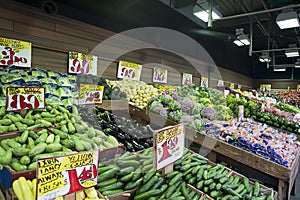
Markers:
{"x": 59, "y": 88}
{"x": 270, "y": 143}
{"x": 138, "y": 92}
{"x": 73, "y": 134}
{"x": 26, "y": 190}
{"x": 290, "y": 97}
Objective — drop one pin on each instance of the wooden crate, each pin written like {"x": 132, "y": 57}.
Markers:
{"x": 7, "y": 176}
{"x": 10, "y": 195}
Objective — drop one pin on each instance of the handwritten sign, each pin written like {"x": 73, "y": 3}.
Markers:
{"x": 187, "y": 79}
{"x": 298, "y": 87}
{"x": 15, "y": 52}
{"x": 169, "y": 145}
{"x": 160, "y": 75}
{"x": 265, "y": 87}
{"x": 220, "y": 83}
{"x": 204, "y": 82}
{"x": 231, "y": 86}
{"x": 129, "y": 70}
{"x": 19, "y": 98}
{"x": 62, "y": 175}
{"x": 90, "y": 94}
{"x": 82, "y": 63}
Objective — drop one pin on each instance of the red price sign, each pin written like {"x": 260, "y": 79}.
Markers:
{"x": 129, "y": 70}
{"x": 204, "y": 82}
{"x": 82, "y": 63}
{"x": 160, "y": 75}
{"x": 90, "y": 94}
{"x": 15, "y": 52}
{"x": 19, "y": 98}
{"x": 187, "y": 79}
{"x": 169, "y": 145}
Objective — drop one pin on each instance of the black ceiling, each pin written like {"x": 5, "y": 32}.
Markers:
{"x": 121, "y": 15}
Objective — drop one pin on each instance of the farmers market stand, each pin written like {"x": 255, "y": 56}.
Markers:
{"x": 279, "y": 177}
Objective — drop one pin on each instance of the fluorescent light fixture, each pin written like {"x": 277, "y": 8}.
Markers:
{"x": 287, "y": 19}
{"x": 201, "y": 11}
{"x": 279, "y": 69}
{"x": 237, "y": 42}
{"x": 292, "y": 52}
{"x": 265, "y": 57}
{"x": 241, "y": 38}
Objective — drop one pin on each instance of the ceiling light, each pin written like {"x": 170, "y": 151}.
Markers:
{"x": 287, "y": 19}
{"x": 241, "y": 38}
{"x": 279, "y": 69}
{"x": 292, "y": 52}
{"x": 265, "y": 57}
{"x": 201, "y": 11}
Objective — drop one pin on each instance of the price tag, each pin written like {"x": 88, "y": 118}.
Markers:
{"x": 250, "y": 95}
{"x": 160, "y": 75}
{"x": 220, "y": 83}
{"x": 187, "y": 79}
{"x": 239, "y": 86}
{"x": 231, "y": 86}
{"x": 204, "y": 82}
{"x": 62, "y": 175}
{"x": 241, "y": 113}
{"x": 226, "y": 93}
{"x": 237, "y": 95}
{"x": 129, "y": 70}
{"x": 15, "y": 52}
{"x": 21, "y": 98}
{"x": 298, "y": 87}
{"x": 82, "y": 63}
{"x": 90, "y": 94}
{"x": 168, "y": 145}
{"x": 265, "y": 87}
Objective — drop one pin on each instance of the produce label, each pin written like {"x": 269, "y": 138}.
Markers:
{"x": 187, "y": 79}
{"x": 226, "y": 93}
{"x": 204, "y": 82}
{"x": 90, "y": 94}
{"x": 62, "y": 175}
{"x": 220, "y": 83}
{"x": 15, "y": 52}
{"x": 241, "y": 113}
{"x": 169, "y": 145}
{"x": 231, "y": 86}
{"x": 160, "y": 75}
{"x": 20, "y": 98}
{"x": 298, "y": 87}
{"x": 82, "y": 63}
{"x": 265, "y": 87}
{"x": 129, "y": 70}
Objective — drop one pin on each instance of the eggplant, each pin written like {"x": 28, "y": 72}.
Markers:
{"x": 137, "y": 146}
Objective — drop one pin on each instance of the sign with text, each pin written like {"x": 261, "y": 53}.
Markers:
{"x": 82, "y": 63}
{"x": 231, "y": 86}
{"x": 90, "y": 94}
{"x": 204, "y": 82}
{"x": 239, "y": 86}
{"x": 298, "y": 87}
{"x": 129, "y": 70}
{"x": 220, "y": 83}
{"x": 20, "y": 98}
{"x": 168, "y": 145}
{"x": 187, "y": 79}
{"x": 62, "y": 175}
{"x": 160, "y": 75}
{"x": 265, "y": 87}
{"x": 15, "y": 52}
{"x": 241, "y": 113}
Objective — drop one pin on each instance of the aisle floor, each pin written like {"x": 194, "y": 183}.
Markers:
{"x": 297, "y": 187}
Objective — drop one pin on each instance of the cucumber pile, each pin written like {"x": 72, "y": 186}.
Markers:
{"x": 214, "y": 180}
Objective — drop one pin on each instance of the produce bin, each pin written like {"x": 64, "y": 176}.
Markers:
{"x": 111, "y": 153}
{"x": 7, "y": 176}
{"x": 126, "y": 195}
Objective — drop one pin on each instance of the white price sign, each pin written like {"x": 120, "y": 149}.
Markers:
{"x": 187, "y": 79}
{"x": 220, "y": 83}
{"x": 168, "y": 145}
{"x": 160, "y": 75}
{"x": 15, "y": 52}
{"x": 90, "y": 94}
{"x": 204, "y": 82}
{"x": 129, "y": 70}
{"x": 82, "y": 63}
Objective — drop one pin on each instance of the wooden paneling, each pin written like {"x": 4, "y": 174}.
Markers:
{"x": 6, "y": 24}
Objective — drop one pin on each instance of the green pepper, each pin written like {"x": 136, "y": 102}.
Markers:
{"x": 29, "y": 122}
{"x": 6, "y": 159}
{"x": 46, "y": 114}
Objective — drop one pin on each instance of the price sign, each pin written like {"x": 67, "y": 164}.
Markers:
{"x": 298, "y": 87}
{"x": 82, "y": 63}
{"x": 187, "y": 79}
{"x": 265, "y": 87}
{"x": 168, "y": 145}
{"x": 15, "y": 52}
{"x": 220, "y": 83}
{"x": 239, "y": 86}
{"x": 62, "y": 175}
{"x": 129, "y": 70}
{"x": 226, "y": 93}
{"x": 20, "y": 98}
{"x": 231, "y": 86}
{"x": 241, "y": 113}
{"x": 204, "y": 82}
{"x": 160, "y": 75}
{"x": 90, "y": 94}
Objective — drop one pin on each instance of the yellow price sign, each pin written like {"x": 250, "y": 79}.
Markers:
{"x": 129, "y": 70}
{"x": 90, "y": 94}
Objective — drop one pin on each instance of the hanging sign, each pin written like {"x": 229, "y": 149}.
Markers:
{"x": 204, "y": 82}
{"x": 15, "y": 52}
{"x": 298, "y": 87}
{"x": 220, "y": 83}
{"x": 90, "y": 94}
{"x": 82, "y": 63}
{"x": 168, "y": 145}
{"x": 21, "y": 98}
{"x": 62, "y": 175}
{"x": 129, "y": 70}
{"x": 160, "y": 75}
{"x": 187, "y": 79}
{"x": 231, "y": 86}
